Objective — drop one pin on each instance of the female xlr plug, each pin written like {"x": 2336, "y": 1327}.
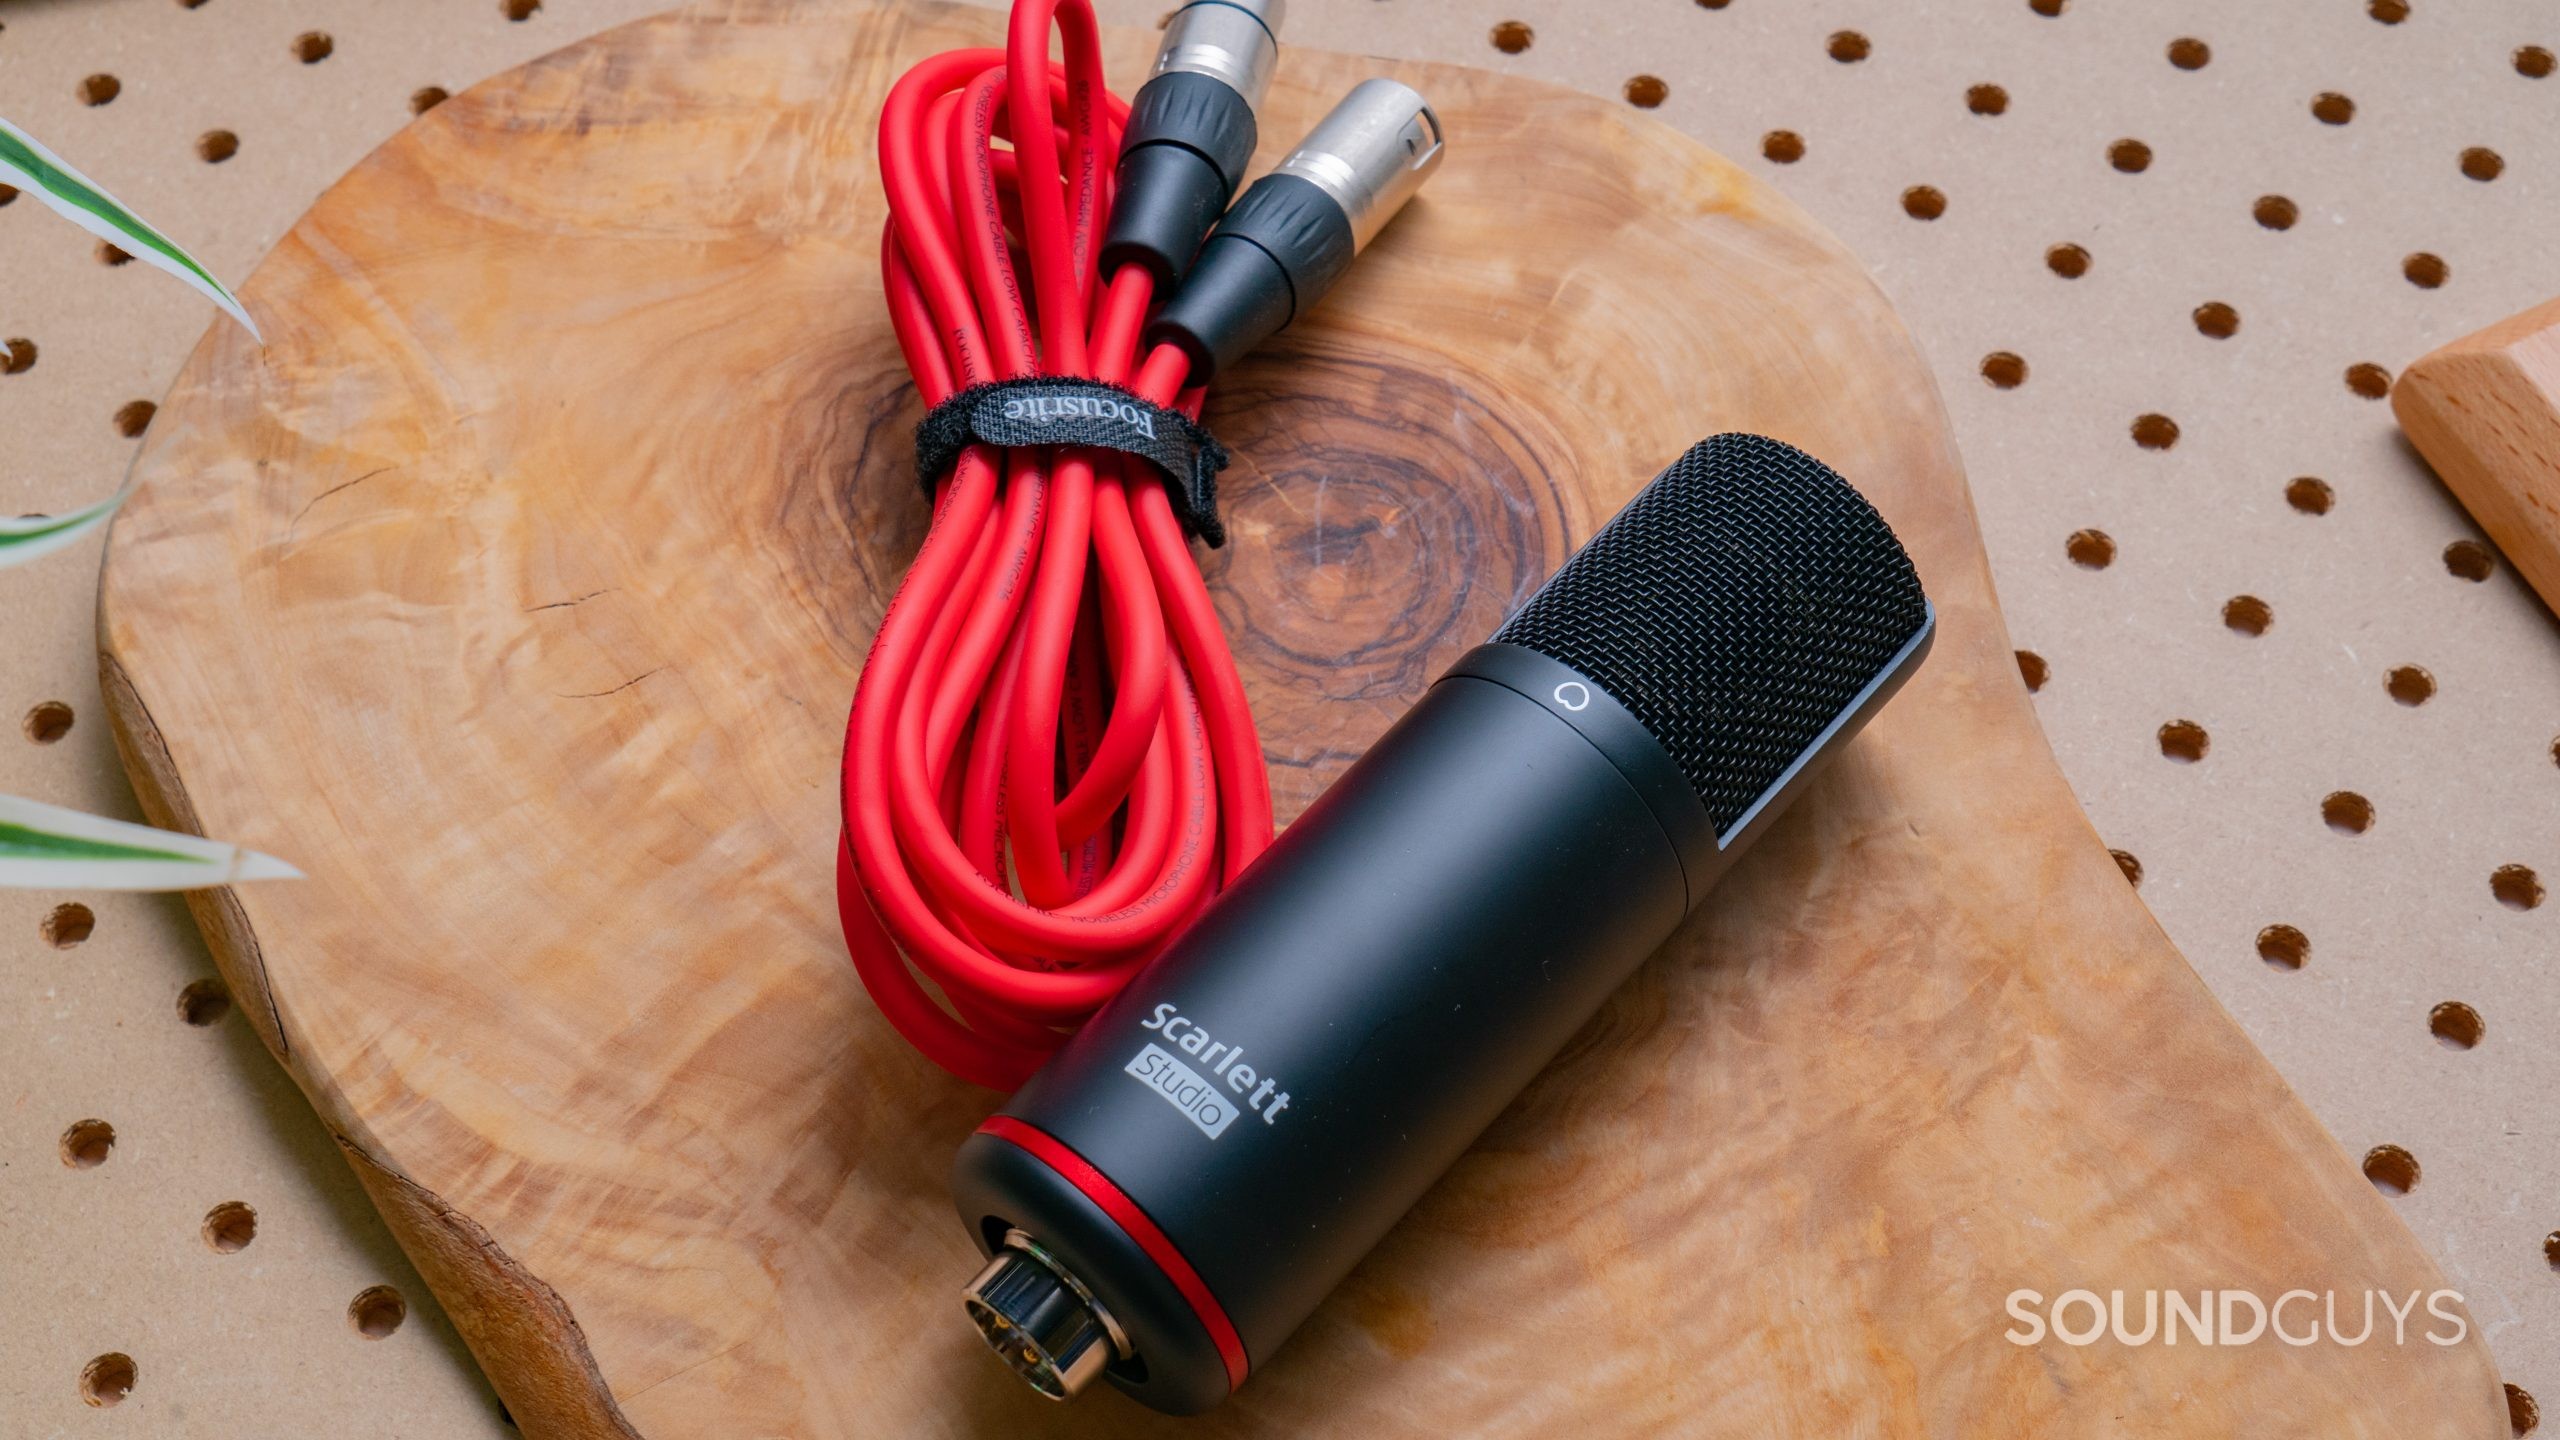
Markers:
{"x": 1190, "y": 134}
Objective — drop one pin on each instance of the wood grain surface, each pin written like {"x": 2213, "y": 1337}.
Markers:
{"x": 2485, "y": 411}
{"x": 516, "y": 588}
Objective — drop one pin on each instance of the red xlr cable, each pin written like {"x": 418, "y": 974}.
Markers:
{"x": 1050, "y": 764}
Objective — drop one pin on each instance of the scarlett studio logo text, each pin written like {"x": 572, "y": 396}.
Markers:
{"x": 2238, "y": 1317}
{"x": 1210, "y": 1101}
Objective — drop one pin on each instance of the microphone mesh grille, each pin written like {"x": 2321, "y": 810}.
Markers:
{"x": 1735, "y": 607}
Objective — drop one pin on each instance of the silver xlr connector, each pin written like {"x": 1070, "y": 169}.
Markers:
{"x": 1371, "y": 154}
{"x": 1041, "y": 1320}
{"x": 1233, "y": 41}
{"x": 1294, "y": 234}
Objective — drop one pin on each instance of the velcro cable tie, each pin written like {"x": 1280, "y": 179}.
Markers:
{"x": 1049, "y": 410}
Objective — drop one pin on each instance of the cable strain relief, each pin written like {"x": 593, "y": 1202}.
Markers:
{"x": 1235, "y": 298}
{"x": 1275, "y": 255}
{"x": 1168, "y": 197}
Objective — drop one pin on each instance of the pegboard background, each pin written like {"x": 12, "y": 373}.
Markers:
{"x": 2164, "y": 256}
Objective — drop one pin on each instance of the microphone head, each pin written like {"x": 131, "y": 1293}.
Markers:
{"x": 1746, "y": 607}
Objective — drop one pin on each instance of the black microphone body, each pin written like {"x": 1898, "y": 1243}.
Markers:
{"x": 1189, "y": 1177}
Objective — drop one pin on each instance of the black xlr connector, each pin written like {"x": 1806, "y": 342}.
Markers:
{"x": 1296, "y": 230}
{"x": 1190, "y": 134}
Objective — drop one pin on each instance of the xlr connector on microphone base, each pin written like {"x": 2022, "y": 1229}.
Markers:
{"x": 1042, "y": 1321}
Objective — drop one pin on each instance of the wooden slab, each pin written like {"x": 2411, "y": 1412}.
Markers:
{"x": 516, "y": 588}
{"x": 2485, "y": 411}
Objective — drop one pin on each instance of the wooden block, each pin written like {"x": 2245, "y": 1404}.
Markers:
{"x": 516, "y": 587}
{"x": 2485, "y": 411}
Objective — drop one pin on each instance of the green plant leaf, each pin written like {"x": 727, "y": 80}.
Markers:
{"x": 23, "y": 539}
{"x": 48, "y": 847}
{"x": 29, "y": 166}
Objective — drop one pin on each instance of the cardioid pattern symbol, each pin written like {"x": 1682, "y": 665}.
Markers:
{"x": 1736, "y": 607}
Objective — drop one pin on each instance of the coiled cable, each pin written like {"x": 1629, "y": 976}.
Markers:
{"x": 1049, "y": 702}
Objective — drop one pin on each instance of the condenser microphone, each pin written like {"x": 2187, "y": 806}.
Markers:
{"x": 1179, "y": 1187}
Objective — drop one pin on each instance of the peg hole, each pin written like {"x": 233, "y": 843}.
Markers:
{"x": 2516, "y": 886}
{"x": 48, "y": 721}
{"x": 377, "y": 1312}
{"x": 229, "y": 1227}
{"x": 2455, "y": 1025}
{"x": 2347, "y": 812}
{"x": 2184, "y": 741}
{"x": 2410, "y": 684}
{"x": 204, "y": 1002}
{"x": 105, "y": 1381}
{"x": 68, "y": 924}
{"x": 2090, "y": 549}
{"x": 2392, "y": 1170}
{"x": 2284, "y": 947}
{"x": 87, "y": 1144}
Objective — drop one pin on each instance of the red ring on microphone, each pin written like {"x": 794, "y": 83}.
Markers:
{"x": 1097, "y": 1187}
